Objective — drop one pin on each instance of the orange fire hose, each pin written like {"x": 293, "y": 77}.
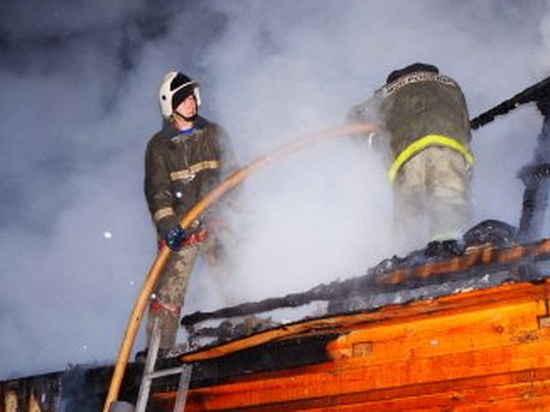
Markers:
{"x": 198, "y": 209}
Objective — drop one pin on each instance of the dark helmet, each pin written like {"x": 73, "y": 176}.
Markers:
{"x": 415, "y": 67}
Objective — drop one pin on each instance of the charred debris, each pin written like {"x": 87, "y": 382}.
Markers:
{"x": 493, "y": 253}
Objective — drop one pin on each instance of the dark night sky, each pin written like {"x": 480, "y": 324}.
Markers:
{"x": 78, "y": 102}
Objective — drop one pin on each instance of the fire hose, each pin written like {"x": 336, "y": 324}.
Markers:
{"x": 197, "y": 210}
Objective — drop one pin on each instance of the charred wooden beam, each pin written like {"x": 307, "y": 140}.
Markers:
{"x": 322, "y": 292}
{"x": 488, "y": 258}
{"x": 271, "y": 356}
{"x": 537, "y": 93}
{"x": 535, "y": 177}
{"x": 79, "y": 388}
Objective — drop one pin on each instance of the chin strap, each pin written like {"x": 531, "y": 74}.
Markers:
{"x": 187, "y": 119}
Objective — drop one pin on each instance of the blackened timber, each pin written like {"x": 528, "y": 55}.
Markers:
{"x": 323, "y": 292}
{"x": 538, "y": 92}
{"x": 80, "y": 388}
{"x": 536, "y": 179}
{"x": 488, "y": 259}
{"x": 271, "y": 356}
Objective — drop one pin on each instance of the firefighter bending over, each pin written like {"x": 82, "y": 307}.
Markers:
{"x": 422, "y": 126}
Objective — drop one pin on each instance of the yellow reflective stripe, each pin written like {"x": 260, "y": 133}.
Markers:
{"x": 190, "y": 172}
{"x": 162, "y": 213}
{"x": 421, "y": 144}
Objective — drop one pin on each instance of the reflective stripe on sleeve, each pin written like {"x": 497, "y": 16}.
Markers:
{"x": 189, "y": 173}
{"x": 162, "y": 213}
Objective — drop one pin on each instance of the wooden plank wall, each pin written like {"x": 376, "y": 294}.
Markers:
{"x": 476, "y": 351}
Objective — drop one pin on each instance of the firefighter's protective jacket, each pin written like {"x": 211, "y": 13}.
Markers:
{"x": 416, "y": 111}
{"x": 180, "y": 168}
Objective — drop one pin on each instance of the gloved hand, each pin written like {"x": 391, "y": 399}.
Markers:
{"x": 174, "y": 237}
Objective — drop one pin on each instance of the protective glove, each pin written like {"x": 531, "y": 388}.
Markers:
{"x": 174, "y": 237}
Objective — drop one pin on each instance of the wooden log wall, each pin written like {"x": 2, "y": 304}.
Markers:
{"x": 483, "y": 350}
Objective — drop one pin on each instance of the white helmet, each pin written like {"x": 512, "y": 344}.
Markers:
{"x": 175, "y": 87}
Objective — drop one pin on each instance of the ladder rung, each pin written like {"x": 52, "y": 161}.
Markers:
{"x": 164, "y": 372}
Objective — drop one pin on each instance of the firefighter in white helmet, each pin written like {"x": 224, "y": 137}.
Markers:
{"x": 183, "y": 162}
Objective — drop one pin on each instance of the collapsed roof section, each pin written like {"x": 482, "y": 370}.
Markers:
{"x": 407, "y": 280}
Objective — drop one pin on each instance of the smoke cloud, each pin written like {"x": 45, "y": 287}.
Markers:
{"x": 79, "y": 103}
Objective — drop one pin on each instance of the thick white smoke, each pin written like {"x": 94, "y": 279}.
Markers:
{"x": 79, "y": 103}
